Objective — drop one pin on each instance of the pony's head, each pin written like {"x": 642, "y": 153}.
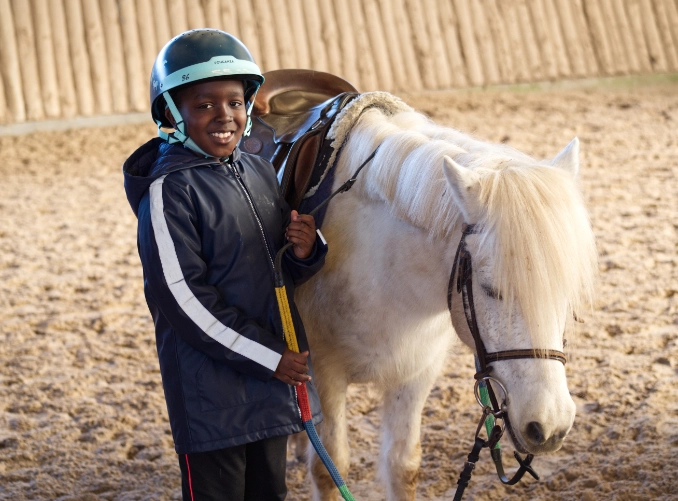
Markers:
{"x": 533, "y": 263}
{"x": 533, "y": 260}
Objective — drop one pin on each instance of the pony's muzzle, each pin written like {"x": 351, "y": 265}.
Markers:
{"x": 539, "y": 440}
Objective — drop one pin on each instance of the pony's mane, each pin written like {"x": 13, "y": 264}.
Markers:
{"x": 536, "y": 227}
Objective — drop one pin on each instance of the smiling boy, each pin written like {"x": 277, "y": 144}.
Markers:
{"x": 210, "y": 221}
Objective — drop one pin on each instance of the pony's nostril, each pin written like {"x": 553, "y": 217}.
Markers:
{"x": 535, "y": 433}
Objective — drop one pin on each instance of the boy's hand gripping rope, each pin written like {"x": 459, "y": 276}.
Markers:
{"x": 291, "y": 341}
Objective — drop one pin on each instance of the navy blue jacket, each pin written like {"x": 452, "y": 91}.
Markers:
{"x": 207, "y": 235}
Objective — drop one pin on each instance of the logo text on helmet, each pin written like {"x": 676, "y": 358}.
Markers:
{"x": 229, "y": 60}
{"x": 185, "y": 77}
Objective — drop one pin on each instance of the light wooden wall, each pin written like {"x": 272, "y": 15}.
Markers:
{"x": 66, "y": 58}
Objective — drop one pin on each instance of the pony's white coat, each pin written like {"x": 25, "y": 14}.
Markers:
{"x": 378, "y": 313}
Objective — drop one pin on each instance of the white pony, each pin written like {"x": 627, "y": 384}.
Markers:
{"x": 378, "y": 312}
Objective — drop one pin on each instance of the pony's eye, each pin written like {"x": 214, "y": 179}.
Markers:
{"x": 491, "y": 292}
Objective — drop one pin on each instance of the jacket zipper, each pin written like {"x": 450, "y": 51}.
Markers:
{"x": 254, "y": 211}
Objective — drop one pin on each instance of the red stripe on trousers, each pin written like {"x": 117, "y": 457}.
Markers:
{"x": 190, "y": 481}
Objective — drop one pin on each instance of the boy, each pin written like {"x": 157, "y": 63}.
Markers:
{"x": 210, "y": 223}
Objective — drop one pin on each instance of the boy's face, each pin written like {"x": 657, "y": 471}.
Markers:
{"x": 214, "y": 113}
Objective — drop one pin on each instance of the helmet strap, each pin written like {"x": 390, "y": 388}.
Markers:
{"x": 179, "y": 134}
{"x": 248, "y": 127}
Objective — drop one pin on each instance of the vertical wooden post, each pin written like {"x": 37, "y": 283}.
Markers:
{"x": 137, "y": 78}
{"x": 571, "y": 38}
{"x": 267, "y": 44}
{"x": 298, "y": 27}
{"x": 365, "y": 59}
{"x": 5, "y": 115}
{"x": 614, "y": 36}
{"x": 450, "y": 36}
{"x": 422, "y": 44}
{"x": 46, "y": 63}
{"x": 163, "y": 32}
{"x": 28, "y": 61}
{"x": 544, "y": 38}
{"x": 78, "y": 49}
{"x": 176, "y": 10}
{"x": 654, "y": 44}
{"x": 194, "y": 14}
{"x": 532, "y": 50}
{"x": 672, "y": 19}
{"x": 248, "y": 30}
{"x": 212, "y": 11}
{"x": 562, "y": 62}
{"x": 468, "y": 43}
{"x": 584, "y": 36}
{"x": 284, "y": 40}
{"x": 99, "y": 65}
{"x": 116, "y": 59}
{"x": 636, "y": 24}
{"x": 229, "y": 19}
{"x": 485, "y": 44}
{"x": 497, "y": 27}
{"x": 439, "y": 50}
{"x": 347, "y": 45}
{"x": 330, "y": 36}
{"x": 662, "y": 15}
{"x": 626, "y": 36}
{"x": 314, "y": 35}
{"x": 62, "y": 57}
{"x": 375, "y": 31}
{"x": 392, "y": 45}
{"x": 598, "y": 33}
{"x": 9, "y": 63}
{"x": 147, "y": 36}
{"x": 403, "y": 30}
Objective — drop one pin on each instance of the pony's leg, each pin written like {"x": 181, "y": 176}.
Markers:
{"x": 297, "y": 445}
{"x": 401, "y": 437}
{"x": 333, "y": 433}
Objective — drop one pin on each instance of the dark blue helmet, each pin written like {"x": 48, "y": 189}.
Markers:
{"x": 199, "y": 55}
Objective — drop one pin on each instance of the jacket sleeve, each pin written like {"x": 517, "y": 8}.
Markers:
{"x": 300, "y": 270}
{"x": 175, "y": 274}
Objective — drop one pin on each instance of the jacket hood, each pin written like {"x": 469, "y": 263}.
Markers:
{"x": 155, "y": 159}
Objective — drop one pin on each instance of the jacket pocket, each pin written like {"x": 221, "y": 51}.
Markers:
{"x": 220, "y": 387}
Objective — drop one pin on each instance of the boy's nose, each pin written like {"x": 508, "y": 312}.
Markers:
{"x": 224, "y": 114}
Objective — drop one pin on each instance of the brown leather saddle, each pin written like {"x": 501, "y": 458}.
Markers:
{"x": 292, "y": 113}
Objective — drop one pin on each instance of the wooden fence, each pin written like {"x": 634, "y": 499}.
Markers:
{"x": 67, "y": 58}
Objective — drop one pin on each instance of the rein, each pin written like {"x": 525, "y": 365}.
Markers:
{"x": 291, "y": 341}
{"x": 462, "y": 270}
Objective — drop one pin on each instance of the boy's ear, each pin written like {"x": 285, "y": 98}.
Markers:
{"x": 170, "y": 117}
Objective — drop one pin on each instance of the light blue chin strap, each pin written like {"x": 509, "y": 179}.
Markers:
{"x": 179, "y": 134}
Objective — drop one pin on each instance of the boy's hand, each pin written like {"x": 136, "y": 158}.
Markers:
{"x": 293, "y": 368}
{"x": 301, "y": 232}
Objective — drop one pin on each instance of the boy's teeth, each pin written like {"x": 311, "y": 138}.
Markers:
{"x": 221, "y": 135}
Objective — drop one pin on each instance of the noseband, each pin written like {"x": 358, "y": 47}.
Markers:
{"x": 462, "y": 270}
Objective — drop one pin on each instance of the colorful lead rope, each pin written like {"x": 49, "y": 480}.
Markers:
{"x": 302, "y": 397}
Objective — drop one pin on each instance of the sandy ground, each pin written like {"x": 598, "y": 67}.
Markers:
{"x": 82, "y": 415}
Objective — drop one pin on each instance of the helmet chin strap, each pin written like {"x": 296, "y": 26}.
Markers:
{"x": 248, "y": 127}
{"x": 179, "y": 134}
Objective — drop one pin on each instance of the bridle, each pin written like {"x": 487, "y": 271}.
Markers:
{"x": 462, "y": 270}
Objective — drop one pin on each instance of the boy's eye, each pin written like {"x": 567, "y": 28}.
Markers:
{"x": 205, "y": 105}
{"x": 235, "y": 104}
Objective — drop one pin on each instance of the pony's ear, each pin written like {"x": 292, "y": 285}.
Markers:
{"x": 464, "y": 184}
{"x": 568, "y": 159}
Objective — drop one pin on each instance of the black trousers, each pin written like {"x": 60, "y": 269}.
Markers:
{"x": 249, "y": 472}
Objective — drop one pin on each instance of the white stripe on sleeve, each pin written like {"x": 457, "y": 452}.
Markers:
{"x": 187, "y": 300}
